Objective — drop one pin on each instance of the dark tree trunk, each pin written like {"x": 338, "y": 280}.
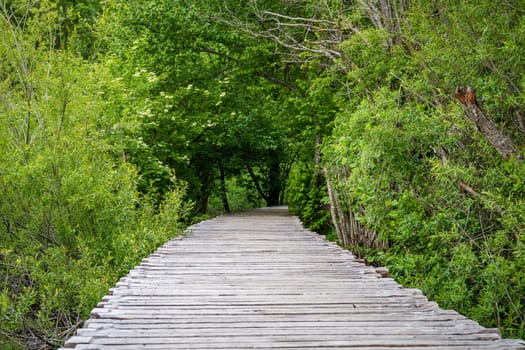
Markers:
{"x": 350, "y": 232}
{"x": 256, "y": 183}
{"x": 201, "y": 203}
{"x": 224, "y": 195}
{"x": 203, "y": 195}
{"x": 318, "y": 156}
{"x": 274, "y": 190}
{"x": 501, "y": 142}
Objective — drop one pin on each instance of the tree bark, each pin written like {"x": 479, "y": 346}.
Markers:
{"x": 501, "y": 142}
{"x": 521, "y": 122}
{"x": 387, "y": 15}
{"x": 256, "y": 183}
{"x": 318, "y": 143}
{"x": 350, "y": 232}
{"x": 274, "y": 190}
{"x": 465, "y": 188}
{"x": 333, "y": 210}
{"x": 203, "y": 196}
{"x": 224, "y": 195}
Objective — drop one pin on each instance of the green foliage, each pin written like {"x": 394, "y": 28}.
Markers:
{"x": 413, "y": 168}
{"x": 306, "y": 193}
{"x": 240, "y": 194}
{"x": 196, "y": 101}
{"x": 182, "y": 110}
{"x": 306, "y": 197}
{"x": 72, "y": 221}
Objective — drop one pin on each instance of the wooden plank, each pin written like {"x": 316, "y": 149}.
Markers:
{"x": 258, "y": 280}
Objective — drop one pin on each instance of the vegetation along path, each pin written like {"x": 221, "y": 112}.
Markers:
{"x": 259, "y": 280}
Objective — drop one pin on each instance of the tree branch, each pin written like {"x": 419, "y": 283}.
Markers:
{"x": 264, "y": 75}
{"x": 256, "y": 183}
{"x": 465, "y": 188}
{"x": 501, "y": 142}
{"x": 319, "y": 37}
{"x": 276, "y": 80}
{"x": 301, "y": 19}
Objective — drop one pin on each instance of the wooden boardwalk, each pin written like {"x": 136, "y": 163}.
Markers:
{"x": 260, "y": 281}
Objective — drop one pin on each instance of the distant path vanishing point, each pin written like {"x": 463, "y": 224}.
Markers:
{"x": 259, "y": 280}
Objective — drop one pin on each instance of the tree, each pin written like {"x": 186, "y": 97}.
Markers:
{"x": 71, "y": 222}
{"x": 222, "y": 78}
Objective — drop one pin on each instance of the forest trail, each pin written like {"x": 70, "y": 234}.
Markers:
{"x": 259, "y": 280}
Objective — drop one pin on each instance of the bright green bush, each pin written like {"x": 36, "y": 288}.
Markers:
{"x": 71, "y": 219}
{"x": 419, "y": 173}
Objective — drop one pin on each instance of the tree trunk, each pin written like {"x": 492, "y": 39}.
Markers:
{"x": 521, "y": 121}
{"x": 501, "y": 142}
{"x": 224, "y": 195}
{"x": 387, "y": 15}
{"x": 256, "y": 183}
{"x": 339, "y": 218}
{"x": 201, "y": 205}
{"x": 333, "y": 210}
{"x": 350, "y": 232}
{"x": 274, "y": 190}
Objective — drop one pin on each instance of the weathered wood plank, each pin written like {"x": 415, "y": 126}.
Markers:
{"x": 258, "y": 280}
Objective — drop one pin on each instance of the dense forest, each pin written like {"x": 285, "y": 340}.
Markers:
{"x": 396, "y": 127}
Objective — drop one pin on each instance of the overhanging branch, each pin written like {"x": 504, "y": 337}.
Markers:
{"x": 501, "y": 142}
{"x": 261, "y": 74}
